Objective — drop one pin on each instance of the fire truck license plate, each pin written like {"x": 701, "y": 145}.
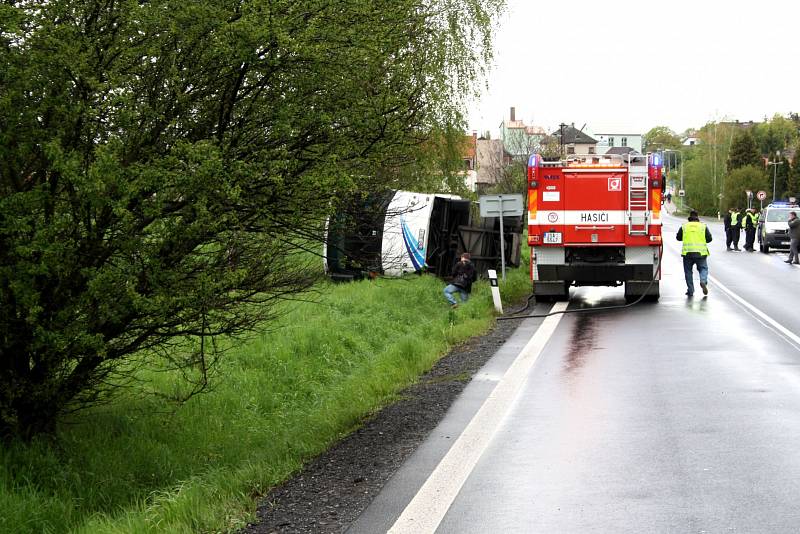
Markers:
{"x": 552, "y": 237}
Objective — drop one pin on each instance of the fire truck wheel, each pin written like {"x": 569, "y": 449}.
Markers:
{"x": 634, "y": 290}
{"x": 565, "y": 295}
{"x": 551, "y": 291}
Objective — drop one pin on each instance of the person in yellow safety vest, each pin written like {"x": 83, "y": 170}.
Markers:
{"x": 736, "y": 221}
{"x": 696, "y": 237}
{"x": 749, "y": 226}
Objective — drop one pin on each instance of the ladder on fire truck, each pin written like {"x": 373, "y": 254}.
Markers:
{"x": 638, "y": 214}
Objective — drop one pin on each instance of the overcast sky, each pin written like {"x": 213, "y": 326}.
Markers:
{"x": 632, "y": 65}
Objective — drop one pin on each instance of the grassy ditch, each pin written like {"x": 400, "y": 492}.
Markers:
{"x": 282, "y": 397}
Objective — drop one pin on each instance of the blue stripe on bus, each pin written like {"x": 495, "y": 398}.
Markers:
{"x": 417, "y": 259}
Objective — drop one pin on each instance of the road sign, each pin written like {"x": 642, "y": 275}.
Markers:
{"x": 501, "y": 206}
{"x": 681, "y": 193}
{"x": 761, "y": 195}
{"x": 491, "y": 205}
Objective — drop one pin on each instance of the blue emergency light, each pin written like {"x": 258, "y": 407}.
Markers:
{"x": 655, "y": 161}
{"x": 533, "y": 161}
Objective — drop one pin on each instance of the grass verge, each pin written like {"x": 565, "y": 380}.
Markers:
{"x": 282, "y": 397}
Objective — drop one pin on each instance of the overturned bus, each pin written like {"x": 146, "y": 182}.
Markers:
{"x": 399, "y": 232}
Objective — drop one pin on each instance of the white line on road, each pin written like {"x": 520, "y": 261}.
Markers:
{"x": 765, "y": 319}
{"x": 425, "y": 511}
{"x": 769, "y": 321}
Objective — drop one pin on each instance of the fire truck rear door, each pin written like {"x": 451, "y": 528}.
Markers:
{"x": 594, "y": 213}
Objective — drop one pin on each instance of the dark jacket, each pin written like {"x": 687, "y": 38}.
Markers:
{"x": 727, "y": 220}
{"x": 463, "y": 275}
{"x": 794, "y": 228}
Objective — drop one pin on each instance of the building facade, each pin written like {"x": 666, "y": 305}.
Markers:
{"x": 493, "y": 162}
{"x": 607, "y": 139}
{"x": 575, "y": 141}
{"x": 519, "y": 139}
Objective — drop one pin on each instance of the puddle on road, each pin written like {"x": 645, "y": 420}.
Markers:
{"x": 696, "y": 304}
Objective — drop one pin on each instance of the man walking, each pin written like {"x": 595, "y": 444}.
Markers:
{"x": 736, "y": 220}
{"x": 794, "y": 238}
{"x": 728, "y": 232}
{"x": 463, "y": 275}
{"x": 696, "y": 237}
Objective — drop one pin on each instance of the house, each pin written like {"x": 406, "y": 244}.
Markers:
{"x": 621, "y": 150}
{"x": 575, "y": 141}
{"x": 519, "y": 139}
{"x": 743, "y": 125}
{"x": 608, "y": 138}
{"x": 690, "y": 140}
{"x": 469, "y": 155}
{"x": 493, "y": 160}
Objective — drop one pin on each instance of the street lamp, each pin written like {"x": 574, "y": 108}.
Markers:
{"x": 775, "y": 173}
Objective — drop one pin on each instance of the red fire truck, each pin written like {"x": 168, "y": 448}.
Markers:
{"x": 595, "y": 220}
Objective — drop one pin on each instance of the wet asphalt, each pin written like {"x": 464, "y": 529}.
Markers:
{"x": 680, "y": 416}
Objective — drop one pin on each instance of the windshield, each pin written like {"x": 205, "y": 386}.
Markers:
{"x": 778, "y": 215}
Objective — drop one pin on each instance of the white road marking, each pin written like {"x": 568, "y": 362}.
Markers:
{"x": 766, "y": 319}
{"x": 428, "y": 507}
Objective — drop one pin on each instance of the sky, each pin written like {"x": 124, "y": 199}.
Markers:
{"x": 629, "y": 66}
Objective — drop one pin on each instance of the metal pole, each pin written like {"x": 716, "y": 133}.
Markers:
{"x": 502, "y": 241}
{"x": 774, "y": 177}
{"x": 774, "y": 180}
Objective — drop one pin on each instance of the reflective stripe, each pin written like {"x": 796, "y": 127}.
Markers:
{"x": 694, "y": 238}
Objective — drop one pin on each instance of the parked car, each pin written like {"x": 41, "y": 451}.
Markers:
{"x": 773, "y": 229}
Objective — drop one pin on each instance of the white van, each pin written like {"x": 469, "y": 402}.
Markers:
{"x": 773, "y": 228}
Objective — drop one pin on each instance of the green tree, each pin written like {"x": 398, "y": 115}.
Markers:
{"x": 775, "y": 135}
{"x": 698, "y": 184}
{"x": 749, "y": 178}
{"x": 743, "y": 151}
{"x": 165, "y": 165}
{"x": 659, "y": 138}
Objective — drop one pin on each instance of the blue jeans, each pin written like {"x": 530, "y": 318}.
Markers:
{"x": 450, "y": 289}
{"x": 702, "y": 268}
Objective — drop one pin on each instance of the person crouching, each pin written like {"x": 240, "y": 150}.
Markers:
{"x": 463, "y": 276}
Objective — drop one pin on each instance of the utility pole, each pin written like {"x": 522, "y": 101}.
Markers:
{"x": 775, "y": 173}
{"x": 714, "y": 179}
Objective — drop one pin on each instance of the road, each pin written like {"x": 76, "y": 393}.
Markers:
{"x": 681, "y": 416}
